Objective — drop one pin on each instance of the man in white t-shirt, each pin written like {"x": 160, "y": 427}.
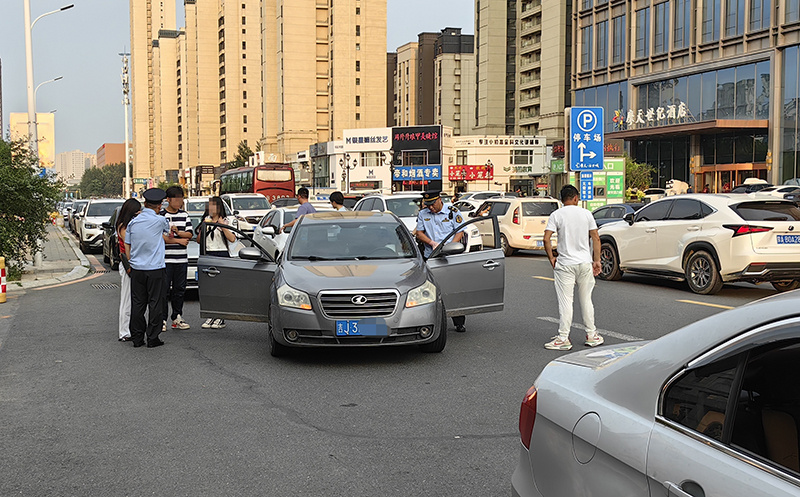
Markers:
{"x": 578, "y": 262}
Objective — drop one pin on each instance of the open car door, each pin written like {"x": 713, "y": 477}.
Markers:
{"x": 232, "y": 287}
{"x": 472, "y": 282}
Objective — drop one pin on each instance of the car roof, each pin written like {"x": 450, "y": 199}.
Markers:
{"x": 363, "y": 216}
{"x": 106, "y": 200}
{"x": 244, "y": 194}
{"x": 397, "y": 195}
{"x": 722, "y": 199}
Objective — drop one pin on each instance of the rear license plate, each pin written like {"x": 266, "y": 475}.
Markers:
{"x": 361, "y": 328}
{"x": 539, "y": 243}
{"x": 788, "y": 239}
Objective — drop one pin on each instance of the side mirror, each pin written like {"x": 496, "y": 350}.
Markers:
{"x": 106, "y": 225}
{"x": 629, "y": 218}
{"x": 471, "y": 214}
{"x": 235, "y": 213}
{"x": 269, "y": 230}
{"x": 453, "y": 248}
{"x": 250, "y": 254}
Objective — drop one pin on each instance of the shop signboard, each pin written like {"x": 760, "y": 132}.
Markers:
{"x": 470, "y": 173}
{"x": 557, "y": 166}
{"x": 431, "y": 173}
{"x": 367, "y": 140}
{"x": 587, "y": 185}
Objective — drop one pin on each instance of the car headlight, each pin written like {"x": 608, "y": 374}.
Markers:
{"x": 423, "y": 294}
{"x": 90, "y": 226}
{"x": 289, "y": 297}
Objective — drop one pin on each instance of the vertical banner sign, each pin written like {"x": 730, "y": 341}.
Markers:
{"x": 586, "y": 140}
{"x": 587, "y": 185}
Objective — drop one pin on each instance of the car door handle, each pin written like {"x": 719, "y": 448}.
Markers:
{"x": 211, "y": 271}
{"x": 693, "y": 228}
{"x": 490, "y": 265}
{"x": 675, "y": 490}
{"x": 650, "y": 230}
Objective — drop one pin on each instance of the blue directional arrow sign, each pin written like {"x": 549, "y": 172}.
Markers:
{"x": 586, "y": 139}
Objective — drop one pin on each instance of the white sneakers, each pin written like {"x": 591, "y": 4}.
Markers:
{"x": 179, "y": 324}
{"x": 559, "y": 343}
{"x": 213, "y": 324}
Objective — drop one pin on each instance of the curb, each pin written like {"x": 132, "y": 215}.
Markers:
{"x": 77, "y": 272}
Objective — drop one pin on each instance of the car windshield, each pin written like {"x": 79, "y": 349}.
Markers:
{"x": 102, "y": 209}
{"x": 250, "y": 204}
{"x": 80, "y": 205}
{"x": 351, "y": 240}
{"x": 767, "y": 211}
{"x": 404, "y": 207}
{"x": 538, "y": 208}
{"x": 196, "y": 205}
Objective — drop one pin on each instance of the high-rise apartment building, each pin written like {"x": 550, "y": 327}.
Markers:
{"x": 391, "y": 90}
{"x": 324, "y": 70}
{"x": 426, "y": 88}
{"x": 495, "y": 59}
{"x": 406, "y": 85}
{"x": 70, "y": 166}
{"x": 454, "y": 76}
{"x": 704, "y": 90}
{"x": 110, "y": 153}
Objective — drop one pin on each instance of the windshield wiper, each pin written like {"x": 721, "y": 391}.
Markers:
{"x": 309, "y": 258}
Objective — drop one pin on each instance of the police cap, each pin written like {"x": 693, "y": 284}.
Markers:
{"x": 154, "y": 195}
{"x": 430, "y": 196}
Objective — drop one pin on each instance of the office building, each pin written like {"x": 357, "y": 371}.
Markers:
{"x": 324, "y": 71}
{"x": 703, "y": 90}
{"x": 391, "y": 89}
{"x": 454, "y": 80}
{"x": 426, "y": 70}
{"x": 111, "y": 153}
{"x": 495, "y": 60}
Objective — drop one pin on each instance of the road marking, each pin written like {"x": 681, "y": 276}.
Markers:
{"x": 621, "y": 336}
{"x": 95, "y": 275}
{"x": 4, "y": 317}
{"x": 695, "y": 302}
{"x": 543, "y": 278}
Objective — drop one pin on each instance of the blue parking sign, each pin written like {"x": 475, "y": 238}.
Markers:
{"x": 587, "y": 185}
{"x": 586, "y": 139}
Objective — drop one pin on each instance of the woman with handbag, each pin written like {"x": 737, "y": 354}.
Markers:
{"x": 217, "y": 240}
{"x": 130, "y": 208}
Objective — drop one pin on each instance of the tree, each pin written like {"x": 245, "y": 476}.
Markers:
{"x": 26, "y": 201}
{"x": 638, "y": 175}
{"x": 103, "y": 182}
{"x": 242, "y": 155}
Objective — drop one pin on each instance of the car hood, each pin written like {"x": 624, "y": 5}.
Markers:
{"x": 95, "y": 219}
{"x": 255, "y": 212}
{"x": 312, "y": 277}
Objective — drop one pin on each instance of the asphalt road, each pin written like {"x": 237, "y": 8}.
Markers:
{"x": 211, "y": 413}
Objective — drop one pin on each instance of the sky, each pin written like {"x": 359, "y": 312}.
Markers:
{"x": 83, "y": 45}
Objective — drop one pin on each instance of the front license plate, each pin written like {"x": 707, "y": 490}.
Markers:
{"x": 788, "y": 239}
{"x": 361, "y": 328}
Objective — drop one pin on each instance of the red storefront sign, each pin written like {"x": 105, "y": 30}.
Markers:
{"x": 470, "y": 173}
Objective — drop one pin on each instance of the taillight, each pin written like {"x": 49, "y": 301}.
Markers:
{"x": 745, "y": 229}
{"x": 527, "y": 416}
{"x": 516, "y": 216}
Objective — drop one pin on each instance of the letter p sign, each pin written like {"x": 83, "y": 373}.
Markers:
{"x": 587, "y": 121}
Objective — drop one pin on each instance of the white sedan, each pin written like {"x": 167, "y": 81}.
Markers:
{"x": 267, "y": 232}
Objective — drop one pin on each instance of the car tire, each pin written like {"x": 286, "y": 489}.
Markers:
{"x": 437, "y": 345}
{"x": 609, "y": 263}
{"x": 106, "y": 258}
{"x": 83, "y": 247}
{"x": 702, "y": 274}
{"x": 276, "y": 349}
{"x": 508, "y": 251}
{"x": 785, "y": 286}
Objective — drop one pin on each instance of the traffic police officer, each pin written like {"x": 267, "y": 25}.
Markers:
{"x": 144, "y": 241}
{"x": 434, "y": 223}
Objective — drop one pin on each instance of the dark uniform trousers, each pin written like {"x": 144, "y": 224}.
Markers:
{"x": 147, "y": 293}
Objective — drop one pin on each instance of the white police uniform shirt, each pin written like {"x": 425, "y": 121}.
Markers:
{"x": 438, "y": 225}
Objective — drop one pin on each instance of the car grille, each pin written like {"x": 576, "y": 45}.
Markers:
{"x": 341, "y": 305}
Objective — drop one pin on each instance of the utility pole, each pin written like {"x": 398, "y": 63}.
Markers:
{"x": 32, "y": 134}
{"x": 126, "y": 101}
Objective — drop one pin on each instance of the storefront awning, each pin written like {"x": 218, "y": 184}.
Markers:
{"x": 698, "y": 128}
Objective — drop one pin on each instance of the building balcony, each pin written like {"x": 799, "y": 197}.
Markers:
{"x": 526, "y": 100}
{"x": 528, "y": 118}
{"x": 457, "y": 86}
{"x": 530, "y": 8}
{"x": 526, "y": 82}
{"x": 528, "y": 65}
{"x": 529, "y": 27}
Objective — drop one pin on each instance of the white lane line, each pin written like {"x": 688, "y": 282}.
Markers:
{"x": 621, "y": 336}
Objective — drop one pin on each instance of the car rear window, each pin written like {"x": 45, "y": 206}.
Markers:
{"x": 538, "y": 208}
{"x": 767, "y": 211}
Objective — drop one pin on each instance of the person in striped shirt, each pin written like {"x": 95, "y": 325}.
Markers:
{"x": 176, "y": 257}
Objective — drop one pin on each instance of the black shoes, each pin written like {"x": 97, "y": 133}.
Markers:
{"x": 461, "y": 328}
{"x": 138, "y": 344}
{"x": 155, "y": 343}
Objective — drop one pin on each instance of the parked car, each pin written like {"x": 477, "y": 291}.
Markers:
{"x": 792, "y": 197}
{"x": 247, "y": 208}
{"x": 406, "y": 206}
{"x": 614, "y": 212}
{"x": 77, "y": 209}
{"x": 522, "y": 221}
{"x": 707, "y": 240}
{"x": 88, "y": 223}
{"x": 285, "y": 202}
{"x": 654, "y": 194}
{"x": 352, "y": 279}
{"x": 776, "y": 191}
{"x": 467, "y": 206}
{"x": 267, "y": 233}
{"x": 478, "y": 196}
{"x": 110, "y": 240}
{"x": 709, "y": 410}
{"x": 751, "y": 185}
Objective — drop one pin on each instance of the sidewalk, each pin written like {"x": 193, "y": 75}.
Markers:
{"x": 62, "y": 261}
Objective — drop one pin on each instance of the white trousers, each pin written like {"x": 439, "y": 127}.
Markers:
{"x": 124, "y": 303}
{"x": 566, "y": 278}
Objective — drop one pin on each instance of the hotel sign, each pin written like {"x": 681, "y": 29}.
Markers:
{"x": 653, "y": 116}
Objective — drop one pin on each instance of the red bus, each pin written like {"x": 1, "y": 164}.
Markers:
{"x": 271, "y": 180}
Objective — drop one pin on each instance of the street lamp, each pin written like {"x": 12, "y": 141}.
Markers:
{"x": 32, "y": 132}
{"x": 346, "y": 168}
{"x": 488, "y": 168}
{"x": 389, "y": 159}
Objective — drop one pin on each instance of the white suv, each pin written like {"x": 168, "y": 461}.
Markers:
{"x": 406, "y": 206}
{"x": 707, "y": 240}
{"x": 88, "y": 224}
{"x": 522, "y": 221}
{"x": 247, "y": 208}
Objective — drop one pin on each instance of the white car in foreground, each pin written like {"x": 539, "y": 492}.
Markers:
{"x": 707, "y": 240}
{"x": 247, "y": 208}
{"x": 267, "y": 233}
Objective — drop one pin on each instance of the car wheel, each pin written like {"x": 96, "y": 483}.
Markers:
{"x": 437, "y": 345}
{"x": 507, "y": 250}
{"x": 83, "y": 247}
{"x": 609, "y": 263}
{"x": 106, "y": 258}
{"x": 702, "y": 274}
{"x": 276, "y": 349}
{"x": 785, "y": 286}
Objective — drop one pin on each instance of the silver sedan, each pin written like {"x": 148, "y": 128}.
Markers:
{"x": 710, "y": 410}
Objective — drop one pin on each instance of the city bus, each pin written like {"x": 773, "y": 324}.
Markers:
{"x": 274, "y": 181}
